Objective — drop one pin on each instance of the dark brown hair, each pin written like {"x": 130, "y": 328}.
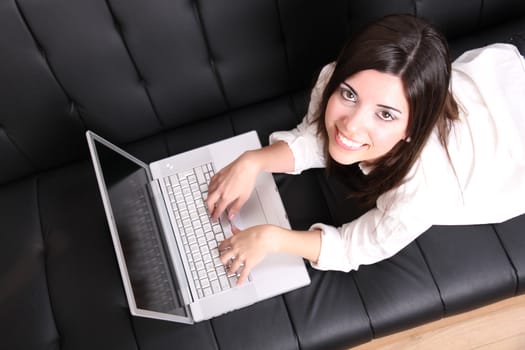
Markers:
{"x": 413, "y": 50}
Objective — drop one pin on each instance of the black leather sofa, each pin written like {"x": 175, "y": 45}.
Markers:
{"x": 160, "y": 77}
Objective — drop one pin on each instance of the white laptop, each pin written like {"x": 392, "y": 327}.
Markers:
{"x": 165, "y": 243}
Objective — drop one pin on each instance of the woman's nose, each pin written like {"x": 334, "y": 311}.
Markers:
{"x": 356, "y": 119}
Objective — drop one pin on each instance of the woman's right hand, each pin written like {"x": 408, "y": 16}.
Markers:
{"x": 232, "y": 185}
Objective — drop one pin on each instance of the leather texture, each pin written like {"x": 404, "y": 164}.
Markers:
{"x": 160, "y": 77}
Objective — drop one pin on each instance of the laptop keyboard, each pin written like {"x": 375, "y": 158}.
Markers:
{"x": 200, "y": 236}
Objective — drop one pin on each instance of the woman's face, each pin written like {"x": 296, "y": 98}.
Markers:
{"x": 366, "y": 117}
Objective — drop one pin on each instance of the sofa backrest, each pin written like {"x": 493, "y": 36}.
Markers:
{"x": 131, "y": 69}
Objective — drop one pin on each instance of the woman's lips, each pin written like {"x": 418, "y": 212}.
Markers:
{"x": 348, "y": 144}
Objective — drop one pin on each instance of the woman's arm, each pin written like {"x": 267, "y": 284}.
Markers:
{"x": 233, "y": 184}
{"x": 290, "y": 152}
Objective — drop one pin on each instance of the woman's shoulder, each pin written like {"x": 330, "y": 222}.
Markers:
{"x": 489, "y": 56}
{"x": 325, "y": 75}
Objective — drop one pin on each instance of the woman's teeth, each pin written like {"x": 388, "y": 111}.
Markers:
{"x": 347, "y": 142}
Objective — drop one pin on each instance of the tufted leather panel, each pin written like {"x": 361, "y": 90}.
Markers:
{"x": 512, "y": 236}
{"x": 463, "y": 259}
{"x": 402, "y": 282}
{"x": 334, "y": 299}
{"x": 31, "y": 94}
{"x": 24, "y": 295}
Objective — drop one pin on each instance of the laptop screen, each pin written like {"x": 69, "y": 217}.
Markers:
{"x": 143, "y": 247}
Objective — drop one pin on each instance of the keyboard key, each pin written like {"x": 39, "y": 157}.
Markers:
{"x": 200, "y": 175}
{"x": 233, "y": 280}
{"x": 194, "y": 248}
{"x": 216, "y": 287}
{"x": 211, "y": 269}
{"x": 205, "y": 282}
{"x": 223, "y": 281}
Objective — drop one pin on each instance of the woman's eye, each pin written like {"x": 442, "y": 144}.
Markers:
{"x": 348, "y": 95}
{"x": 386, "y": 115}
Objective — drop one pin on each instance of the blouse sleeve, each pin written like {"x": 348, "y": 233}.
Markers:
{"x": 306, "y": 146}
{"x": 373, "y": 237}
{"x": 398, "y": 219}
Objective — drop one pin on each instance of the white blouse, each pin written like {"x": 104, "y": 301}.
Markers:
{"x": 483, "y": 183}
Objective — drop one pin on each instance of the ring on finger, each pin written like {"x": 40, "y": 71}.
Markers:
{"x": 235, "y": 274}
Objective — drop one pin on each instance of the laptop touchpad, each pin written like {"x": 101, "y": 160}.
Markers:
{"x": 251, "y": 213}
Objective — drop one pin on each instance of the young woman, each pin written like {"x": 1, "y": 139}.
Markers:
{"x": 436, "y": 144}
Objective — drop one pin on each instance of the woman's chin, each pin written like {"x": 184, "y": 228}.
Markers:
{"x": 344, "y": 158}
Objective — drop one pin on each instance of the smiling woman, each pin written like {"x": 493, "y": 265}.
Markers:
{"x": 388, "y": 104}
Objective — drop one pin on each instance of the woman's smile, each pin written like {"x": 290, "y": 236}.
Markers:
{"x": 347, "y": 143}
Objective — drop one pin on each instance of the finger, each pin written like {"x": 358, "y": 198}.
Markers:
{"x": 236, "y": 265}
{"x": 235, "y": 229}
{"x": 224, "y": 245}
{"x": 227, "y": 257}
{"x": 236, "y": 207}
{"x": 220, "y": 207}
{"x": 243, "y": 276}
{"x": 214, "y": 182}
{"x": 218, "y": 180}
{"x": 211, "y": 199}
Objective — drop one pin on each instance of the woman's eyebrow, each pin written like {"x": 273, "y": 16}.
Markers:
{"x": 389, "y": 107}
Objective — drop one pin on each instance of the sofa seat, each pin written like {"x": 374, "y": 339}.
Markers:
{"x": 61, "y": 271}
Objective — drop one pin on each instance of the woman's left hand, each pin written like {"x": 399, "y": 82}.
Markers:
{"x": 241, "y": 252}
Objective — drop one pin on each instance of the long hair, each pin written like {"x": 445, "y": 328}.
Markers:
{"x": 413, "y": 50}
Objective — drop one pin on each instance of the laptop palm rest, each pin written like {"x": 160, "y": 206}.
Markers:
{"x": 235, "y": 298}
